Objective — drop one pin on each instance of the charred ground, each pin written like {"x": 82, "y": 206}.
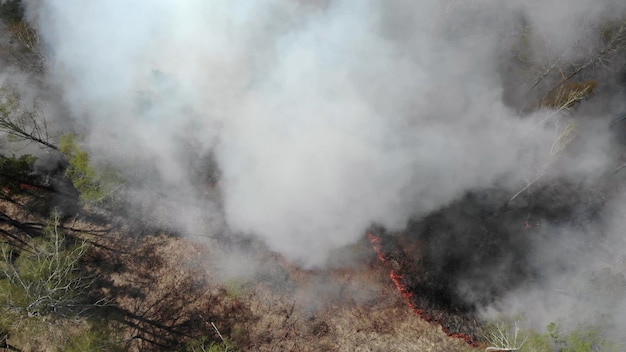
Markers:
{"x": 470, "y": 253}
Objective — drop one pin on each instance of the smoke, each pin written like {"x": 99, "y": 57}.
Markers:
{"x": 322, "y": 117}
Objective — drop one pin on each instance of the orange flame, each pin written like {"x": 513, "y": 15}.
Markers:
{"x": 404, "y": 291}
{"x": 378, "y": 248}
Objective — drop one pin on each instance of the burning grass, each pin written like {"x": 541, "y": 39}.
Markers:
{"x": 166, "y": 294}
{"x": 161, "y": 292}
{"x": 428, "y": 315}
{"x": 470, "y": 253}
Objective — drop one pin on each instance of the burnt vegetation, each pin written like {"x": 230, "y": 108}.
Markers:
{"x": 475, "y": 250}
{"x": 123, "y": 282}
{"x": 472, "y": 252}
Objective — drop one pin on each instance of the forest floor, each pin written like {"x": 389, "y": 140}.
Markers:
{"x": 167, "y": 289}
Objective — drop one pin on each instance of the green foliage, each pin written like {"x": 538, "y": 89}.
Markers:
{"x": 235, "y": 288}
{"x": 583, "y": 339}
{"x": 505, "y": 335}
{"x": 95, "y": 186}
{"x": 508, "y": 335}
{"x": 80, "y": 172}
{"x": 16, "y": 171}
{"x": 203, "y": 344}
{"x": 9, "y": 102}
{"x": 46, "y": 279}
{"x": 20, "y": 182}
{"x": 537, "y": 342}
{"x": 43, "y": 291}
{"x": 98, "y": 338}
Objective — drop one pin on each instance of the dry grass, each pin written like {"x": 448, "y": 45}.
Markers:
{"x": 363, "y": 327}
{"x": 163, "y": 293}
{"x": 37, "y": 333}
{"x": 350, "y": 309}
{"x": 49, "y": 336}
{"x": 568, "y": 95}
{"x": 25, "y": 35}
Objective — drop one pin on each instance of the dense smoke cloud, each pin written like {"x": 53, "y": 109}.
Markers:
{"x": 323, "y": 117}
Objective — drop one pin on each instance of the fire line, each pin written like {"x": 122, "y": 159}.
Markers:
{"x": 404, "y": 291}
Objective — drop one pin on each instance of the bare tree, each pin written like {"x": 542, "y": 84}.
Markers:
{"x": 21, "y": 123}
{"x": 46, "y": 280}
{"x": 502, "y": 339}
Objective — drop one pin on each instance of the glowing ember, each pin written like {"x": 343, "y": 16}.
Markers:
{"x": 26, "y": 186}
{"x": 397, "y": 280}
{"x": 404, "y": 291}
{"x": 375, "y": 241}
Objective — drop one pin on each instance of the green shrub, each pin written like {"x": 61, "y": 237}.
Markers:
{"x": 508, "y": 335}
{"x": 46, "y": 278}
{"x": 96, "y": 186}
{"x": 16, "y": 171}
{"x": 204, "y": 344}
{"x": 99, "y": 338}
{"x": 235, "y": 288}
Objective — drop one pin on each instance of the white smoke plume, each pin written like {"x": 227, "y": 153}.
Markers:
{"x": 323, "y": 117}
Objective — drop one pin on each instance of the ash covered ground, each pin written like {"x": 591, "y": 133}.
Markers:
{"x": 474, "y": 252}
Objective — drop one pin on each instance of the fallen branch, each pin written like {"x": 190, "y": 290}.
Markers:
{"x": 217, "y": 331}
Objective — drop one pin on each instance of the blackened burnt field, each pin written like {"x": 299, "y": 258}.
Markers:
{"x": 473, "y": 252}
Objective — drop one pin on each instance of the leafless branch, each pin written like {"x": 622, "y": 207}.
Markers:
{"x": 502, "y": 339}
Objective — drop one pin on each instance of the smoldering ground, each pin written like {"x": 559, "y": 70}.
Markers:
{"x": 325, "y": 117}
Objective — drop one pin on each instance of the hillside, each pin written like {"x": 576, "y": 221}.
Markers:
{"x": 312, "y": 176}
